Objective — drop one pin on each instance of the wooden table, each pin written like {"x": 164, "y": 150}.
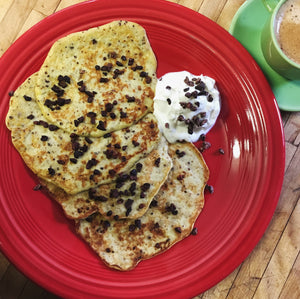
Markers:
{"x": 272, "y": 270}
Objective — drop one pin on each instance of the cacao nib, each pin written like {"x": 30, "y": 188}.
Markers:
{"x": 103, "y": 80}
{"x": 145, "y": 187}
{"x": 88, "y": 140}
{"x": 37, "y": 187}
{"x": 51, "y": 171}
{"x": 44, "y": 138}
{"x": 157, "y": 162}
{"x": 27, "y": 98}
{"x": 130, "y": 61}
{"x": 91, "y": 163}
{"x": 178, "y": 230}
{"x": 101, "y": 126}
{"x": 53, "y": 127}
{"x": 194, "y": 231}
{"x": 59, "y": 92}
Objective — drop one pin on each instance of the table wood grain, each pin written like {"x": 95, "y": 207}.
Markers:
{"x": 272, "y": 270}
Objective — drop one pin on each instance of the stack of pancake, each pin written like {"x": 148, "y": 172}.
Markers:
{"x": 84, "y": 125}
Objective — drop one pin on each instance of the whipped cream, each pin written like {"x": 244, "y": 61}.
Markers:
{"x": 186, "y": 105}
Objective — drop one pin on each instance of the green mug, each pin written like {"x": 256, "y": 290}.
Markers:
{"x": 273, "y": 53}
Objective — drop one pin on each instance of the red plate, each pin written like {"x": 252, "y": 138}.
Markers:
{"x": 247, "y": 179}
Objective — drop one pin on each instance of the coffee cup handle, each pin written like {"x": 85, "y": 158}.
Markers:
{"x": 270, "y": 4}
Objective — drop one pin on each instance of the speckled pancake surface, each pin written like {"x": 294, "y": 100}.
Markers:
{"x": 72, "y": 162}
{"x": 122, "y": 244}
{"x": 99, "y": 80}
{"x": 128, "y": 197}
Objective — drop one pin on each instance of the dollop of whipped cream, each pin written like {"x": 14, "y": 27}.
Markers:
{"x": 186, "y": 105}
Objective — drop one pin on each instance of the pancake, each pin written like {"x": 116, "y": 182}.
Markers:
{"x": 128, "y": 197}
{"x": 74, "y": 163}
{"x": 122, "y": 244}
{"x": 99, "y": 80}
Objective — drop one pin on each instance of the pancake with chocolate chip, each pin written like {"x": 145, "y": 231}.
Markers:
{"x": 128, "y": 197}
{"x": 122, "y": 244}
{"x": 72, "y": 162}
{"x": 99, "y": 80}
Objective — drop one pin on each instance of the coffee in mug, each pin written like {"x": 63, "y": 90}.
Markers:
{"x": 287, "y": 29}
